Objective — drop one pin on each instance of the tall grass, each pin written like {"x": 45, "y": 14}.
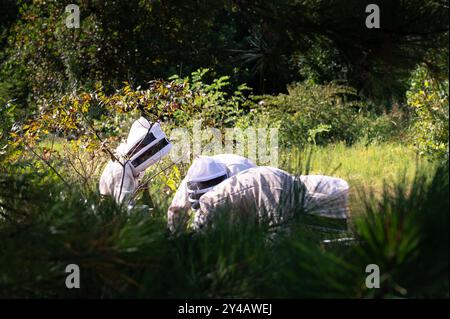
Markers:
{"x": 365, "y": 167}
{"x": 360, "y": 164}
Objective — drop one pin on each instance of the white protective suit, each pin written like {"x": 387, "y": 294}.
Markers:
{"x": 273, "y": 195}
{"x": 178, "y": 210}
{"x": 146, "y": 144}
{"x": 111, "y": 181}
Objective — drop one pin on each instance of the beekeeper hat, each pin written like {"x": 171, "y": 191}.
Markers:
{"x": 146, "y": 144}
{"x": 203, "y": 175}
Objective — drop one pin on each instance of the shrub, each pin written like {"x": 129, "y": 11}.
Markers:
{"x": 429, "y": 99}
{"x": 387, "y": 127}
{"x": 213, "y": 103}
{"x": 323, "y": 113}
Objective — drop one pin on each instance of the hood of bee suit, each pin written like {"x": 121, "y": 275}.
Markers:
{"x": 146, "y": 144}
{"x": 202, "y": 176}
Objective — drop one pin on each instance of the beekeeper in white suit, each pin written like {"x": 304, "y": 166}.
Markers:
{"x": 270, "y": 194}
{"x": 273, "y": 195}
{"x": 146, "y": 145}
{"x": 204, "y": 173}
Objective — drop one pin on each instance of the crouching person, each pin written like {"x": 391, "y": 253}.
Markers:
{"x": 273, "y": 196}
{"x": 146, "y": 145}
{"x": 205, "y": 173}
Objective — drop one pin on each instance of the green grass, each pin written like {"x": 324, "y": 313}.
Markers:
{"x": 365, "y": 167}
{"x": 361, "y": 165}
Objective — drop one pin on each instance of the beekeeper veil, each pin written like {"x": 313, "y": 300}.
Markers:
{"x": 146, "y": 145}
{"x": 202, "y": 176}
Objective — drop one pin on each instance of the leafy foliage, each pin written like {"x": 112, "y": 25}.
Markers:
{"x": 213, "y": 104}
{"x": 154, "y": 39}
{"x": 429, "y": 99}
{"x": 85, "y": 114}
{"x": 329, "y": 113}
{"x": 264, "y": 44}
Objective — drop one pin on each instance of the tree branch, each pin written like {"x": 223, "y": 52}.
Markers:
{"x": 91, "y": 126}
{"x": 47, "y": 163}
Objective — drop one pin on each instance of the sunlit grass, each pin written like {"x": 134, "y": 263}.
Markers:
{"x": 367, "y": 165}
{"x": 364, "y": 167}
